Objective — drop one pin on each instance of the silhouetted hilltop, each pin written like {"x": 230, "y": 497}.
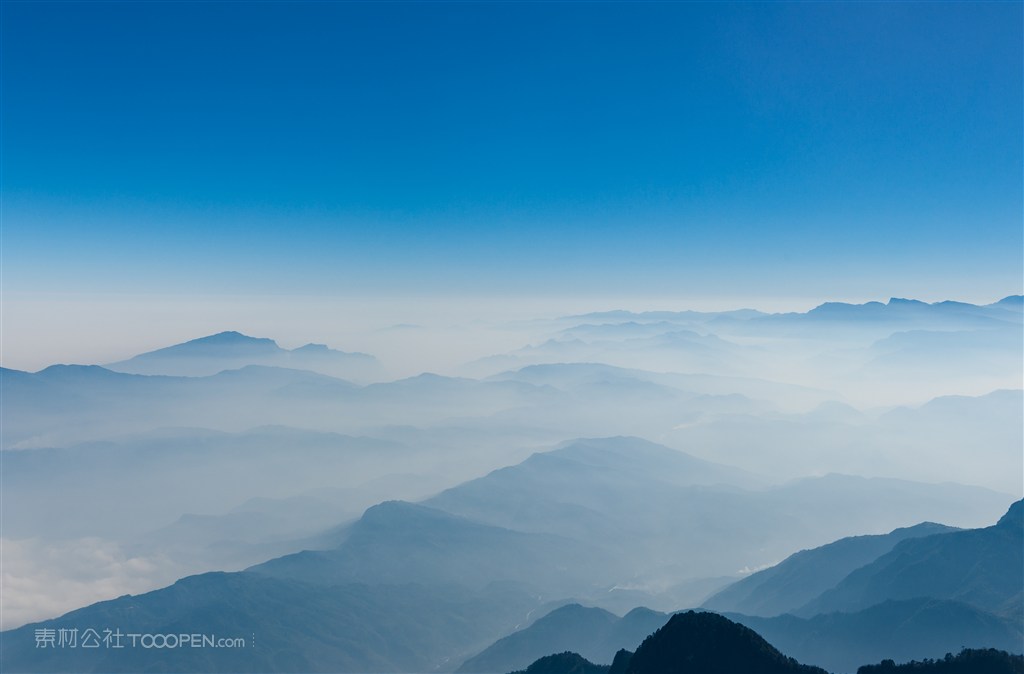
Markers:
{"x": 707, "y": 643}
{"x": 564, "y": 663}
{"x": 620, "y": 664}
{"x": 968, "y": 661}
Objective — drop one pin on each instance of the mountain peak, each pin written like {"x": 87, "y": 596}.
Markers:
{"x": 563, "y": 663}
{"x": 707, "y": 643}
{"x": 312, "y": 348}
{"x": 1011, "y": 301}
{"x": 230, "y": 337}
{"x": 901, "y": 301}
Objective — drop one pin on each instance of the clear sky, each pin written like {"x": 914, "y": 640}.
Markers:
{"x": 821, "y": 150}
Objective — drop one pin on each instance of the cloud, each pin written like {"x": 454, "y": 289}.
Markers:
{"x": 45, "y": 579}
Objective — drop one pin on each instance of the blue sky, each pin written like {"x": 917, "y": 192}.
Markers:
{"x": 826, "y": 150}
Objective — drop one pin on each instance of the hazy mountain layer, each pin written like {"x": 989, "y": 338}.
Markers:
{"x": 896, "y": 630}
{"x": 804, "y": 575}
{"x": 232, "y": 350}
{"x": 981, "y": 567}
{"x": 286, "y": 626}
{"x": 593, "y": 633}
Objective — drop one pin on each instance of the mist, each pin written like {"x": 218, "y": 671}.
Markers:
{"x": 230, "y": 456}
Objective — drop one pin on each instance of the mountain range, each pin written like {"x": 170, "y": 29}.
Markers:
{"x": 232, "y": 350}
{"x": 786, "y": 470}
{"x": 946, "y": 563}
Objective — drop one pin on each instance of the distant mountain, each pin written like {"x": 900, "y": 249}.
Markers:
{"x": 804, "y": 575}
{"x": 70, "y": 404}
{"x": 1010, "y": 302}
{"x": 981, "y": 567}
{"x": 397, "y": 542}
{"x": 900, "y": 310}
{"x": 926, "y": 440}
{"x": 684, "y": 317}
{"x": 196, "y": 472}
{"x": 594, "y": 633}
{"x": 697, "y": 388}
{"x": 614, "y": 493}
{"x": 897, "y": 630}
{"x": 833, "y": 319}
{"x": 968, "y": 661}
{"x": 232, "y": 350}
{"x": 662, "y": 345}
{"x": 707, "y": 643}
{"x": 285, "y": 626}
{"x": 940, "y": 355}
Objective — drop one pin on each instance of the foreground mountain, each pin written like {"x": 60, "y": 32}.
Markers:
{"x": 564, "y": 663}
{"x": 480, "y": 579}
{"x": 803, "y": 576}
{"x": 981, "y": 567}
{"x": 927, "y": 596}
{"x": 283, "y": 625}
{"x": 706, "y": 643}
{"x": 593, "y": 633}
{"x": 232, "y": 350}
{"x": 919, "y": 627}
{"x": 968, "y": 661}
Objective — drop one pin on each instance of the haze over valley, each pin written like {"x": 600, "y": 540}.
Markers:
{"x": 590, "y": 337}
{"x": 569, "y": 470}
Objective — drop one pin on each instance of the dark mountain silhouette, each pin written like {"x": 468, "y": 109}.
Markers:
{"x": 594, "y": 633}
{"x": 707, "y": 643}
{"x": 620, "y": 663}
{"x": 981, "y": 567}
{"x": 564, "y": 663}
{"x": 841, "y": 641}
{"x": 803, "y": 576}
{"x": 968, "y": 661}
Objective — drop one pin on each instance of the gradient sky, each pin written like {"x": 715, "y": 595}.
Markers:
{"x": 694, "y": 150}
